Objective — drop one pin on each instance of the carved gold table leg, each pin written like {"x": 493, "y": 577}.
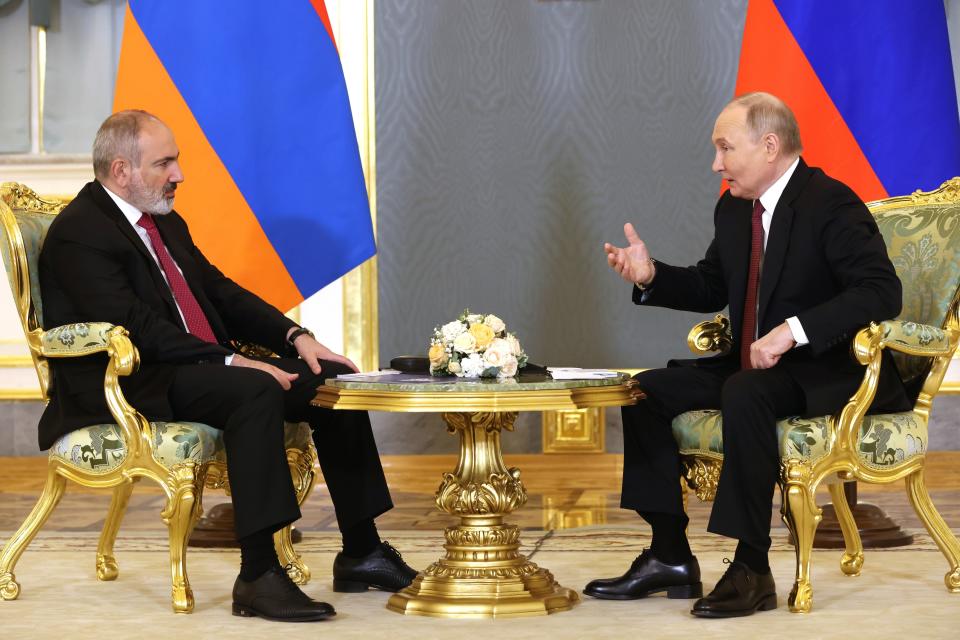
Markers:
{"x": 483, "y": 574}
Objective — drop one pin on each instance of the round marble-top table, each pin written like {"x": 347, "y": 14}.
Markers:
{"x": 483, "y": 574}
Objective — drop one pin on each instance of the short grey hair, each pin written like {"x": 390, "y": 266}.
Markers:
{"x": 118, "y": 137}
{"x": 766, "y": 113}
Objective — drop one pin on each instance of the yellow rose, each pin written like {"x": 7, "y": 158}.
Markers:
{"x": 482, "y": 334}
{"x": 437, "y": 355}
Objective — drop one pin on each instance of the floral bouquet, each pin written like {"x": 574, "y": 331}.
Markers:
{"x": 475, "y": 346}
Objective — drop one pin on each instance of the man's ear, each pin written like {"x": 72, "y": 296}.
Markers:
{"x": 771, "y": 145}
{"x": 120, "y": 171}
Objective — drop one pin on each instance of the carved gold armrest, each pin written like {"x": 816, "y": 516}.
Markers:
{"x": 73, "y": 340}
{"x": 710, "y": 335}
{"x": 85, "y": 338}
{"x": 916, "y": 339}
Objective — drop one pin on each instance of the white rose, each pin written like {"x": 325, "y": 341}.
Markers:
{"x": 495, "y": 323}
{"x": 453, "y": 367}
{"x": 473, "y": 365}
{"x": 452, "y": 329}
{"x": 497, "y": 353}
{"x": 509, "y": 367}
{"x": 515, "y": 347}
{"x": 465, "y": 343}
{"x": 474, "y": 318}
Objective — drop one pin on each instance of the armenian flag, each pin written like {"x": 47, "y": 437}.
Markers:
{"x": 255, "y": 95}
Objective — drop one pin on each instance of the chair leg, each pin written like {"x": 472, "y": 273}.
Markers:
{"x": 107, "y": 568}
{"x": 303, "y": 469}
{"x": 852, "y": 560}
{"x": 52, "y": 492}
{"x": 938, "y": 529}
{"x": 180, "y": 515}
{"x": 801, "y": 515}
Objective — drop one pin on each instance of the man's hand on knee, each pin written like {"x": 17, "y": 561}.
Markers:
{"x": 766, "y": 352}
{"x": 283, "y": 378}
{"x": 312, "y": 352}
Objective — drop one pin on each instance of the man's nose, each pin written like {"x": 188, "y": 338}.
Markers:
{"x": 717, "y": 165}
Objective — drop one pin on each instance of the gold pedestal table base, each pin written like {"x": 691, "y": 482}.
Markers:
{"x": 483, "y": 573}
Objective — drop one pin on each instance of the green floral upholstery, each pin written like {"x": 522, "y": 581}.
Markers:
{"x": 100, "y": 448}
{"x": 923, "y": 242}
{"x": 76, "y": 339}
{"x": 33, "y": 228}
{"x": 885, "y": 440}
{"x": 922, "y": 337}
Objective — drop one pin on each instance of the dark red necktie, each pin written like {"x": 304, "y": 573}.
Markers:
{"x": 753, "y": 283}
{"x": 196, "y": 320}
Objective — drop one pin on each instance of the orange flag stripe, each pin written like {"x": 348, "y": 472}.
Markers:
{"x": 221, "y": 221}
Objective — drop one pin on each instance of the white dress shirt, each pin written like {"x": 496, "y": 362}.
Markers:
{"x": 133, "y": 215}
{"x": 769, "y": 200}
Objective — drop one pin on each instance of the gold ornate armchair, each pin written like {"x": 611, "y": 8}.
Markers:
{"x": 922, "y": 233}
{"x": 182, "y": 457}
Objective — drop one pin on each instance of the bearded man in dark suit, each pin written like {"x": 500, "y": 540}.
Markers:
{"x": 119, "y": 253}
{"x": 801, "y": 264}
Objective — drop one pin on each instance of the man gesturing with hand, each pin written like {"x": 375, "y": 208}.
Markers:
{"x": 799, "y": 262}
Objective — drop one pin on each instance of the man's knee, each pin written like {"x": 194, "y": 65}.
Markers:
{"x": 331, "y": 369}
{"x": 256, "y": 385}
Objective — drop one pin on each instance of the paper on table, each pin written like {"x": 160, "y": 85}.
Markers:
{"x": 576, "y": 373}
{"x": 367, "y": 374}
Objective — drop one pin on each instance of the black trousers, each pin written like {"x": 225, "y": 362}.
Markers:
{"x": 250, "y": 407}
{"x": 751, "y": 401}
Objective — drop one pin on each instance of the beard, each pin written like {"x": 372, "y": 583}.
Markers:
{"x": 157, "y": 202}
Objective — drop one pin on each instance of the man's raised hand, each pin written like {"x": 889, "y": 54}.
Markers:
{"x": 632, "y": 262}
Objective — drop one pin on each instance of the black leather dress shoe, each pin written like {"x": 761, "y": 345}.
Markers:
{"x": 275, "y": 596}
{"x": 647, "y": 576}
{"x": 383, "y": 568}
{"x": 740, "y": 592}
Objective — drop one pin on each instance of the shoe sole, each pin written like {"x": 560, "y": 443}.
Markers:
{"x": 676, "y": 592}
{"x": 248, "y": 612}
{"x": 354, "y": 586}
{"x": 767, "y": 603}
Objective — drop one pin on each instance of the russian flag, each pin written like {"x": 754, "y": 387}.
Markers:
{"x": 255, "y": 95}
{"x": 871, "y": 84}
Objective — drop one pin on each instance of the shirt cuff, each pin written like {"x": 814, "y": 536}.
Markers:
{"x": 797, "y": 330}
{"x": 228, "y": 359}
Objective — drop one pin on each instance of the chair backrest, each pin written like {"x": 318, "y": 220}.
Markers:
{"x": 26, "y": 217}
{"x": 922, "y": 233}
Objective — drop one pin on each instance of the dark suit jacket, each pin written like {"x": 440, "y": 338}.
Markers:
{"x": 95, "y": 268}
{"x": 825, "y": 263}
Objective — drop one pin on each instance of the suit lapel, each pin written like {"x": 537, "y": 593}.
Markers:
{"x": 109, "y": 207}
{"x": 777, "y": 244}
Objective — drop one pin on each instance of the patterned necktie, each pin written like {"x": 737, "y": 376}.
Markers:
{"x": 196, "y": 320}
{"x": 750, "y": 301}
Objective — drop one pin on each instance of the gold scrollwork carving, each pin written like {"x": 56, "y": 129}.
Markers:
{"x": 438, "y": 570}
{"x": 217, "y": 477}
{"x": 18, "y": 196}
{"x": 462, "y": 537}
{"x": 710, "y": 335}
{"x": 301, "y": 469}
{"x": 702, "y": 475}
{"x": 949, "y": 191}
{"x": 490, "y": 422}
{"x": 9, "y": 589}
{"x": 501, "y": 493}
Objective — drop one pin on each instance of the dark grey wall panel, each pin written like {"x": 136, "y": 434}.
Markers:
{"x": 515, "y": 136}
